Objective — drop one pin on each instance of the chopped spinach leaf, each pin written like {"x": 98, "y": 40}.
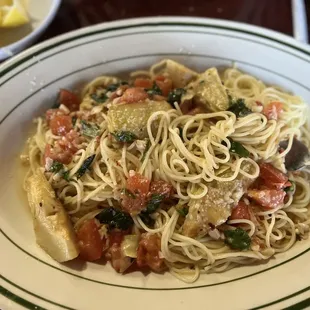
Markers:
{"x": 65, "y": 175}
{"x": 183, "y": 211}
{"x": 237, "y": 239}
{"x": 176, "y": 95}
{"x": 125, "y": 136}
{"x": 181, "y": 133}
{"x": 115, "y": 218}
{"x": 99, "y": 98}
{"x": 147, "y": 147}
{"x": 238, "y": 148}
{"x": 201, "y": 82}
{"x": 291, "y": 188}
{"x": 85, "y": 166}
{"x": 238, "y": 107}
{"x": 128, "y": 193}
{"x": 90, "y": 130}
{"x": 146, "y": 219}
{"x": 56, "y": 166}
{"x": 114, "y": 87}
{"x": 154, "y": 203}
{"x": 155, "y": 90}
{"x": 74, "y": 119}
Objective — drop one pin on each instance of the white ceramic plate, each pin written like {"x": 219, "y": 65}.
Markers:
{"x": 14, "y": 40}
{"x": 28, "y": 86}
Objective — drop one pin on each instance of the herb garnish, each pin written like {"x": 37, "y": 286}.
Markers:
{"x": 99, "y": 98}
{"x": 238, "y": 148}
{"x": 56, "y": 166}
{"x": 237, "y": 239}
{"x": 115, "y": 218}
{"x": 176, "y": 95}
{"x": 291, "y": 188}
{"x": 183, "y": 211}
{"x": 155, "y": 90}
{"x": 85, "y": 166}
{"x": 115, "y": 86}
{"x": 147, "y": 147}
{"x": 238, "y": 107}
{"x": 125, "y": 136}
{"x": 90, "y": 130}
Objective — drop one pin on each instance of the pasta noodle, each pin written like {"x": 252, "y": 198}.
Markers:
{"x": 191, "y": 152}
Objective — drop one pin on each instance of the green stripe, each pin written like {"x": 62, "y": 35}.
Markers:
{"x": 14, "y": 65}
{"x": 91, "y": 33}
{"x": 299, "y": 306}
{"x": 285, "y": 298}
{"x": 23, "y": 302}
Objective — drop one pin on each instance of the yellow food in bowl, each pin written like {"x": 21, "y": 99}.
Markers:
{"x": 13, "y": 13}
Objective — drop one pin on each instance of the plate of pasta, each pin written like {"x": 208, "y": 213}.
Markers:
{"x": 148, "y": 158}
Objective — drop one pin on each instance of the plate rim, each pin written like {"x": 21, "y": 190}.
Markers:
{"x": 271, "y": 35}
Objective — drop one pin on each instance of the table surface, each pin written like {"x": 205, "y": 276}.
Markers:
{"x": 272, "y": 14}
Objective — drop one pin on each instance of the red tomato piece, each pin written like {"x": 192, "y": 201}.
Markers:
{"x": 144, "y": 83}
{"x": 58, "y": 154}
{"x": 267, "y": 198}
{"x": 273, "y": 110}
{"x": 139, "y": 186}
{"x": 165, "y": 84}
{"x": 71, "y": 141}
{"x": 61, "y": 124}
{"x": 273, "y": 177}
{"x": 134, "y": 94}
{"x": 70, "y": 100}
{"x": 90, "y": 243}
{"x": 240, "y": 212}
{"x": 162, "y": 188}
{"x": 148, "y": 253}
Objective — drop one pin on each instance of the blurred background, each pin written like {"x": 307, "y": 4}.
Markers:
{"x": 272, "y": 14}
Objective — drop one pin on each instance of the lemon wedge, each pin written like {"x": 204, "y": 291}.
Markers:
{"x": 13, "y": 13}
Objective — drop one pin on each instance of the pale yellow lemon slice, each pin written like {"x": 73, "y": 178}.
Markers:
{"x": 13, "y": 13}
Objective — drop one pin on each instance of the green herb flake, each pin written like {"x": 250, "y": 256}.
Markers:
{"x": 238, "y": 107}
{"x": 292, "y": 188}
{"x": 90, "y": 130}
{"x": 99, "y": 98}
{"x": 125, "y": 136}
{"x": 183, "y": 211}
{"x": 147, "y": 147}
{"x": 176, "y": 95}
{"x": 155, "y": 90}
{"x": 147, "y": 219}
{"x": 56, "y": 166}
{"x": 115, "y": 86}
{"x": 73, "y": 119}
{"x": 128, "y": 193}
{"x": 237, "y": 239}
{"x": 85, "y": 166}
{"x": 238, "y": 148}
{"x": 115, "y": 218}
{"x": 154, "y": 203}
{"x": 65, "y": 175}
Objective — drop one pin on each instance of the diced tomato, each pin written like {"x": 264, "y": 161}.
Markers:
{"x": 90, "y": 243}
{"x": 119, "y": 261}
{"x": 51, "y": 113}
{"x": 273, "y": 110}
{"x": 148, "y": 253}
{"x": 258, "y": 103}
{"x": 70, "y": 100}
{"x": 134, "y": 94}
{"x": 61, "y": 124}
{"x": 71, "y": 141}
{"x": 116, "y": 236}
{"x": 144, "y": 83}
{"x": 58, "y": 154}
{"x": 162, "y": 188}
{"x": 139, "y": 186}
{"x": 267, "y": 198}
{"x": 240, "y": 212}
{"x": 272, "y": 177}
{"x": 165, "y": 84}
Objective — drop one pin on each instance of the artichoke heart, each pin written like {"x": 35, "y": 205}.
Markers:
{"x": 52, "y": 226}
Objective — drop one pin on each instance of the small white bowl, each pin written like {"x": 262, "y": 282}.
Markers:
{"x": 41, "y": 15}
